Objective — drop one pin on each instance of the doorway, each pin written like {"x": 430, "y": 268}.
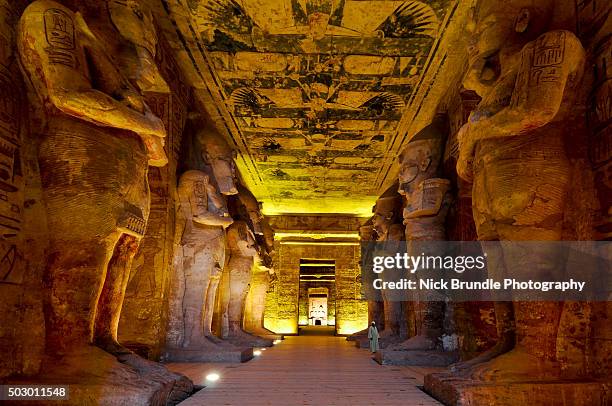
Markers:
{"x": 317, "y": 306}
{"x": 317, "y": 293}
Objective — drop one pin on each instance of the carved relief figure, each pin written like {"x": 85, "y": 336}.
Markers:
{"x": 201, "y": 258}
{"x": 94, "y": 116}
{"x": 512, "y": 147}
{"x": 427, "y": 202}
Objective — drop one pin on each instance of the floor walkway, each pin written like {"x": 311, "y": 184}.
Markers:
{"x": 307, "y": 370}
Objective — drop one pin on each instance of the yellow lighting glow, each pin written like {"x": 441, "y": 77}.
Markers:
{"x": 276, "y": 342}
{"x": 316, "y": 236}
{"x": 281, "y": 326}
{"x": 257, "y": 353}
{"x": 318, "y": 243}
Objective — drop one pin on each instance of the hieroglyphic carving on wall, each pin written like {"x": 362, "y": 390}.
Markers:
{"x": 12, "y": 113}
{"x": 322, "y": 224}
{"x": 600, "y": 124}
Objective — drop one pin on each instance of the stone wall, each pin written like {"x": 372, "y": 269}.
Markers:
{"x": 281, "y": 315}
{"x": 22, "y": 216}
{"x": 594, "y": 27}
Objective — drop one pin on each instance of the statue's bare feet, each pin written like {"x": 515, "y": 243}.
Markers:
{"x": 416, "y": 343}
{"x": 241, "y": 337}
{"x": 501, "y": 347}
{"x": 515, "y": 366}
{"x": 219, "y": 343}
{"x": 141, "y": 364}
{"x": 387, "y": 337}
{"x": 214, "y": 339}
{"x": 111, "y": 346}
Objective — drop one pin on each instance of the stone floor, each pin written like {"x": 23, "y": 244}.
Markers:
{"x": 310, "y": 369}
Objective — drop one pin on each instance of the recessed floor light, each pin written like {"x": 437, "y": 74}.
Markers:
{"x": 212, "y": 377}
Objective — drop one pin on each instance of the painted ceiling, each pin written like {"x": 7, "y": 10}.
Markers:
{"x": 313, "y": 92}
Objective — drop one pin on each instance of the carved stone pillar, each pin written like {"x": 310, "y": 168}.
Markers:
{"x": 243, "y": 254}
{"x": 199, "y": 266}
{"x": 428, "y": 199}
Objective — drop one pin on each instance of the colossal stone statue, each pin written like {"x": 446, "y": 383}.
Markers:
{"x": 243, "y": 254}
{"x": 513, "y": 149}
{"x": 99, "y": 139}
{"x": 388, "y": 230}
{"x": 200, "y": 261}
{"x": 428, "y": 200}
{"x": 96, "y": 116}
{"x": 527, "y": 71}
{"x": 375, "y": 307}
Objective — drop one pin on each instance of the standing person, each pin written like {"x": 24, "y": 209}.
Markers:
{"x": 373, "y": 337}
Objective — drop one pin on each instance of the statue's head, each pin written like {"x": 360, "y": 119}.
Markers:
{"x": 241, "y": 240}
{"x": 268, "y": 233}
{"x": 130, "y": 22}
{"x": 134, "y": 21}
{"x": 501, "y": 26}
{"x": 385, "y": 213}
{"x": 252, "y": 209}
{"x": 421, "y": 158}
{"x": 218, "y": 154}
{"x": 266, "y": 261}
{"x": 366, "y": 233}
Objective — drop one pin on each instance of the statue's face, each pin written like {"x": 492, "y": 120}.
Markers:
{"x": 381, "y": 220}
{"x": 256, "y": 218}
{"x": 417, "y": 164}
{"x": 365, "y": 233}
{"x": 251, "y": 206}
{"x": 135, "y": 23}
{"x": 268, "y": 235}
{"x": 224, "y": 169}
{"x": 493, "y": 30}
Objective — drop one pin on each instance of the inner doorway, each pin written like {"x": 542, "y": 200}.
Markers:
{"x": 317, "y": 295}
{"x": 317, "y": 306}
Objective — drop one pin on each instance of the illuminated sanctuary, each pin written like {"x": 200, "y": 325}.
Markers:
{"x": 187, "y": 186}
